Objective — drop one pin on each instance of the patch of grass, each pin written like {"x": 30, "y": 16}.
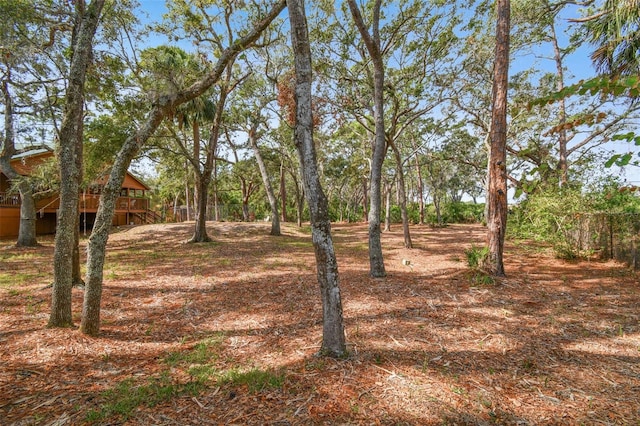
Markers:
{"x": 125, "y": 397}
{"x": 203, "y": 352}
{"x": 302, "y": 244}
{"x": 481, "y": 278}
{"x": 255, "y": 379}
{"x": 10, "y": 280}
{"x": 13, "y": 279}
{"x": 20, "y": 256}
{"x": 320, "y": 364}
{"x": 224, "y": 261}
{"x": 203, "y": 373}
{"x": 458, "y": 390}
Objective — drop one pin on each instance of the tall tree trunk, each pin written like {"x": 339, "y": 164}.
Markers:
{"x": 71, "y": 133}
{"x": 216, "y": 207}
{"x": 387, "y": 205}
{"x": 162, "y": 107}
{"x": 246, "y": 193}
{"x": 27, "y": 228}
{"x": 333, "y": 337}
{"x": 283, "y": 192}
{"x": 273, "y": 202}
{"x": 436, "y": 205}
{"x": 420, "y": 186}
{"x": 200, "y": 234}
{"x": 562, "y": 112}
{"x": 28, "y": 217}
{"x": 187, "y": 197}
{"x": 372, "y": 42}
{"x": 497, "y": 196}
{"x": 300, "y": 195}
{"x": 402, "y": 196}
{"x": 365, "y": 199}
{"x": 201, "y": 188}
{"x": 175, "y": 207}
{"x": 487, "y": 178}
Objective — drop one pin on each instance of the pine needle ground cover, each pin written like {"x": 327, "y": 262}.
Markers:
{"x": 227, "y": 333}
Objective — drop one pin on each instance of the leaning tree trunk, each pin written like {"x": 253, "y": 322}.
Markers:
{"x": 71, "y": 132}
{"x": 372, "y": 43}
{"x": 273, "y": 202}
{"x": 333, "y": 337}
{"x": 497, "y": 195}
{"x": 162, "y": 107}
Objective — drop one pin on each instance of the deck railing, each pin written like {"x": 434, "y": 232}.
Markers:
{"x": 87, "y": 201}
{"x": 9, "y": 200}
{"x": 128, "y": 204}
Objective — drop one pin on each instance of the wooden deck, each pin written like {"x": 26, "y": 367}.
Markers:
{"x": 88, "y": 203}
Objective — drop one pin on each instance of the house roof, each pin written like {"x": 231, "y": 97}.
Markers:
{"x": 25, "y": 162}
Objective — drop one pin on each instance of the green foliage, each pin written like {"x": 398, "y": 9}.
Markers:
{"x": 477, "y": 259}
{"x": 555, "y": 215}
{"x": 625, "y": 159}
{"x": 461, "y": 212}
{"x": 476, "y": 256}
{"x": 626, "y": 86}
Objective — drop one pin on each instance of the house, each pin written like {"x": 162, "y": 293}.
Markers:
{"x": 132, "y": 207}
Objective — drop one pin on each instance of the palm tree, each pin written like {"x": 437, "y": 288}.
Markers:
{"x": 615, "y": 32}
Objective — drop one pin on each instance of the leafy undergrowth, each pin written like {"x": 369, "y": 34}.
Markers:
{"x": 227, "y": 333}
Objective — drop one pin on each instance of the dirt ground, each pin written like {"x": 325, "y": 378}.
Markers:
{"x": 227, "y": 333}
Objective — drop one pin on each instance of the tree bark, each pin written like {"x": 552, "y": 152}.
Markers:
{"x": 283, "y": 192}
{"x": 497, "y": 195}
{"x": 387, "y": 206}
{"x": 69, "y": 157}
{"x": 365, "y": 205}
{"x": 273, "y": 202}
{"x": 161, "y": 108}
{"x": 27, "y": 228}
{"x": 200, "y": 233}
{"x": 202, "y": 187}
{"x": 187, "y": 197}
{"x": 333, "y": 337}
{"x": 420, "y": 185}
{"x": 376, "y": 261}
{"x": 402, "y": 195}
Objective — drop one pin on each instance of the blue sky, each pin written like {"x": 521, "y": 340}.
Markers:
{"x": 580, "y": 67}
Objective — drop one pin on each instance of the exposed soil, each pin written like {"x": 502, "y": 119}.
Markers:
{"x": 553, "y": 343}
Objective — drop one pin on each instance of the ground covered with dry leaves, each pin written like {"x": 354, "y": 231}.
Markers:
{"x": 227, "y": 333}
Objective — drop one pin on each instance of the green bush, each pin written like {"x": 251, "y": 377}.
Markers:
{"x": 461, "y": 212}
{"x": 560, "y": 217}
{"x": 477, "y": 256}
